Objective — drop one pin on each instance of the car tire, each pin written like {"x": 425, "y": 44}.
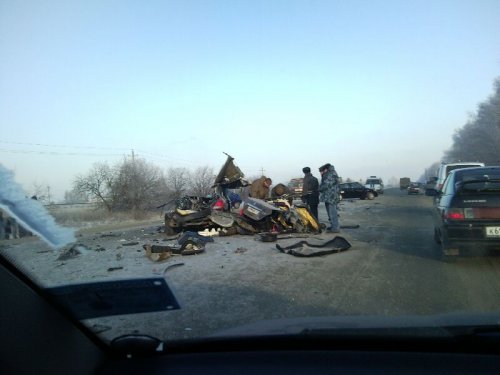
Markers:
{"x": 370, "y": 195}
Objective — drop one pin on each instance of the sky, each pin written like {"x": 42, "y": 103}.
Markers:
{"x": 373, "y": 87}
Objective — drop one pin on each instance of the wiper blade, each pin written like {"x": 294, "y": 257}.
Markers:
{"x": 30, "y": 213}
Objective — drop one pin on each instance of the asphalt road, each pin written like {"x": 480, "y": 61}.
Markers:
{"x": 391, "y": 270}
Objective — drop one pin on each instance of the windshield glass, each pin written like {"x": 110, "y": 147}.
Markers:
{"x": 173, "y": 156}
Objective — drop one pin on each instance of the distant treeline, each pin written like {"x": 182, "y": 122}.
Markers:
{"x": 478, "y": 139}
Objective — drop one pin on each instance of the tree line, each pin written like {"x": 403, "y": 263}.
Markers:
{"x": 478, "y": 139}
{"x": 134, "y": 184}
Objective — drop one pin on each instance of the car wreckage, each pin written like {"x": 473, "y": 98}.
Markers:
{"x": 230, "y": 210}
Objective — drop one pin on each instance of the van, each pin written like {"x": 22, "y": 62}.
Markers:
{"x": 445, "y": 169}
{"x": 375, "y": 183}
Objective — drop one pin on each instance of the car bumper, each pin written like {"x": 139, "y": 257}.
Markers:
{"x": 470, "y": 236}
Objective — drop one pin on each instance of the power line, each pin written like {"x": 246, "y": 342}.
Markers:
{"x": 55, "y": 153}
{"x": 142, "y": 152}
{"x": 59, "y": 153}
{"x": 65, "y": 146}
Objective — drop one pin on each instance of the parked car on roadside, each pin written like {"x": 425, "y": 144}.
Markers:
{"x": 414, "y": 188}
{"x": 356, "y": 190}
{"x": 467, "y": 211}
{"x": 375, "y": 183}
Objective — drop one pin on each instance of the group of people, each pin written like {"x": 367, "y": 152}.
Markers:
{"x": 313, "y": 192}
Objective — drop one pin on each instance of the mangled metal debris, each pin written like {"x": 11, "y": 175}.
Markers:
{"x": 231, "y": 210}
{"x": 189, "y": 243}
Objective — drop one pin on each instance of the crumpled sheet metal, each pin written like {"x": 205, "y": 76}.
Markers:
{"x": 305, "y": 249}
{"x": 158, "y": 253}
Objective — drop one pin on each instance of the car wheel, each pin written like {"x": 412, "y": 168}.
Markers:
{"x": 370, "y": 195}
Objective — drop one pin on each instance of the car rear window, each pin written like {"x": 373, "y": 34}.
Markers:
{"x": 485, "y": 180}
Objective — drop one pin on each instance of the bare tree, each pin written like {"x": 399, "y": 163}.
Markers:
{"x": 138, "y": 185}
{"x": 202, "y": 181}
{"x": 479, "y": 138}
{"x": 39, "y": 191}
{"x": 430, "y": 172}
{"x": 74, "y": 196}
{"x": 97, "y": 184}
{"x": 178, "y": 181}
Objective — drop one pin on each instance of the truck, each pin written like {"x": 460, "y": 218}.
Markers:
{"x": 404, "y": 183}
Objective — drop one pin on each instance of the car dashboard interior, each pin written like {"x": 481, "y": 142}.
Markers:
{"x": 39, "y": 338}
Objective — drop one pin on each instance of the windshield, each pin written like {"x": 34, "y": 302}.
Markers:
{"x": 163, "y": 162}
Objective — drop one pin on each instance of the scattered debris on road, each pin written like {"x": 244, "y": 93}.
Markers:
{"x": 110, "y": 269}
{"x": 305, "y": 249}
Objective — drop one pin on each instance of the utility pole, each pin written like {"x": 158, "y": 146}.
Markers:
{"x": 261, "y": 171}
{"x": 48, "y": 194}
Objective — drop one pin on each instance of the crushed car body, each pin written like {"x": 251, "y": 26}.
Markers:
{"x": 230, "y": 210}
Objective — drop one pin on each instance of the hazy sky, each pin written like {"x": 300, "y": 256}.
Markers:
{"x": 374, "y": 87}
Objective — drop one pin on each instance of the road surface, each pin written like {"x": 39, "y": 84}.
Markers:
{"x": 392, "y": 269}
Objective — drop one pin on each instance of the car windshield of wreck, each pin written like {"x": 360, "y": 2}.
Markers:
{"x": 166, "y": 156}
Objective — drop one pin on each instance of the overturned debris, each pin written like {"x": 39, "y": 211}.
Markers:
{"x": 230, "y": 210}
{"x": 158, "y": 253}
{"x": 305, "y": 249}
{"x": 72, "y": 252}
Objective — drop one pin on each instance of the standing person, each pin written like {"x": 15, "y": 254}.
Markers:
{"x": 260, "y": 187}
{"x": 310, "y": 192}
{"x": 329, "y": 193}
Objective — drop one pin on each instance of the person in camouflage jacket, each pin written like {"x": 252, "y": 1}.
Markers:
{"x": 330, "y": 194}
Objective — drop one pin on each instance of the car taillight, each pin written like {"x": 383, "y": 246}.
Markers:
{"x": 454, "y": 214}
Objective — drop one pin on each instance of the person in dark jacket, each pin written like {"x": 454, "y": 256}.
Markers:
{"x": 330, "y": 194}
{"x": 310, "y": 192}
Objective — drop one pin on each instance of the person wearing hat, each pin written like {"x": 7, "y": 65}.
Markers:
{"x": 310, "y": 193}
{"x": 330, "y": 194}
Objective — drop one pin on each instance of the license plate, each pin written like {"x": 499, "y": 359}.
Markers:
{"x": 492, "y": 231}
{"x": 252, "y": 210}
